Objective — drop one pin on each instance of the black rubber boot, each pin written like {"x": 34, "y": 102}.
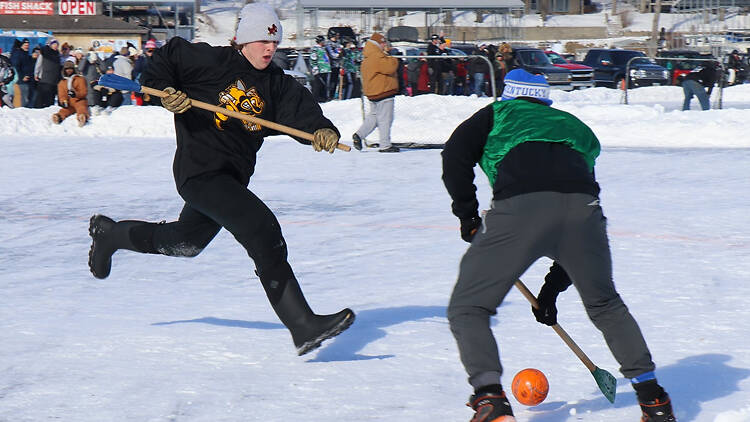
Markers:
{"x": 308, "y": 329}
{"x": 654, "y": 401}
{"x": 108, "y": 236}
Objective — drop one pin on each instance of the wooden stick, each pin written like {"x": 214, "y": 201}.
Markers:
{"x": 558, "y": 329}
{"x": 237, "y": 115}
{"x": 607, "y": 382}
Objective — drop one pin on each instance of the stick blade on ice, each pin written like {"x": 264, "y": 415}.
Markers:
{"x": 606, "y": 382}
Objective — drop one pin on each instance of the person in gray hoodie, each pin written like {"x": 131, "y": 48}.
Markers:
{"x": 91, "y": 70}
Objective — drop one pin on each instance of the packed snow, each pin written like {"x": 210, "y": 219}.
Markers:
{"x": 166, "y": 339}
{"x": 176, "y": 339}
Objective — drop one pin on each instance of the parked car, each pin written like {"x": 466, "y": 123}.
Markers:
{"x": 583, "y": 76}
{"x": 681, "y": 63}
{"x": 345, "y": 33}
{"x": 610, "y": 67}
{"x": 533, "y": 60}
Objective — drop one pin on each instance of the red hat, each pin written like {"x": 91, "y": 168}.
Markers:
{"x": 150, "y": 44}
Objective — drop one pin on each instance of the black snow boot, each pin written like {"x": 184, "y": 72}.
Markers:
{"x": 308, "y": 329}
{"x": 654, "y": 402}
{"x": 357, "y": 141}
{"x": 491, "y": 405}
{"x": 658, "y": 410}
{"x": 108, "y": 236}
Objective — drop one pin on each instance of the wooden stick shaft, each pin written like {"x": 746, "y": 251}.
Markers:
{"x": 237, "y": 115}
{"x": 558, "y": 329}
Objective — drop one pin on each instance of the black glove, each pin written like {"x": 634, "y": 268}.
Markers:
{"x": 555, "y": 282}
{"x": 71, "y": 93}
{"x": 469, "y": 227}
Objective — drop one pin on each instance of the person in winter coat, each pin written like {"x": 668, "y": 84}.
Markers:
{"x": 71, "y": 95}
{"x": 215, "y": 159}
{"x": 47, "y": 74}
{"x": 91, "y": 69}
{"x": 540, "y": 164}
{"x": 413, "y": 71}
{"x": 7, "y": 78}
{"x": 478, "y": 68}
{"x": 734, "y": 67}
{"x": 123, "y": 65}
{"x": 141, "y": 65}
{"x": 699, "y": 83}
{"x": 333, "y": 50}
{"x": 380, "y": 86}
{"x": 505, "y": 61}
{"x": 351, "y": 57}
{"x": 24, "y": 65}
{"x": 320, "y": 65}
{"x": 435, "y": 65}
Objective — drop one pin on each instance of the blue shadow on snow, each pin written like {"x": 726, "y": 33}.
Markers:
{"x": 367, "y": 328}
{"x": 689, "y": 382}
{"x": 258, "y": 325}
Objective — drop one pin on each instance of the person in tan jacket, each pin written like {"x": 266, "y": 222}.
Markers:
{"x": 380, "y": 86}
{"x": 71, "y": 95}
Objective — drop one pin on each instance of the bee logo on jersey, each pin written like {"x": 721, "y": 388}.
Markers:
{"x": 240, "y": 99}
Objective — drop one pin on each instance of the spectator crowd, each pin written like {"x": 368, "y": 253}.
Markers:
{"x": 68, "y": 76}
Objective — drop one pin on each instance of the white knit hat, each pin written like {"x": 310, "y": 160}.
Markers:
{"x": 258, "y": 22}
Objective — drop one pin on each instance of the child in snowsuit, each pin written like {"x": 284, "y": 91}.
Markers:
{"x": 71, "y": 95}
{"x": 540, "y": 163}
{"x": 215, "y": 159}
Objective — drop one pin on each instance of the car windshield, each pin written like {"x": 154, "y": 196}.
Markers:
{"x": 534, "y": 57}
{"x": 556, "y": 58}
{"x": 622, "y": 57}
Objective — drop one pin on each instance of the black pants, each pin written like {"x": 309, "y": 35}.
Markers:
{"x": 45, "y": 95}
{"x": 217, "y": 200}
{"x": 105, "y": 99}
{"x": 321, "y": 86}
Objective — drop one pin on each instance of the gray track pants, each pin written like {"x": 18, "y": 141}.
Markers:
{"x": 380, "y": 116}
{"x": 569, "y": 228}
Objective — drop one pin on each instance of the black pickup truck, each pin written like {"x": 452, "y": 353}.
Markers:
{"x": 610, "y": 67}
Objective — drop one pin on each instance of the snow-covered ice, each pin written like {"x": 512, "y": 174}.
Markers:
{"x": 171, "y": 339}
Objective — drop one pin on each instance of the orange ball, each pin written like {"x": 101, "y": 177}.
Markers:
{"x": 530, "y": 387}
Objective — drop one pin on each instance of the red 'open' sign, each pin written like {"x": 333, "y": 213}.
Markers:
{"x": 77, "y": 7}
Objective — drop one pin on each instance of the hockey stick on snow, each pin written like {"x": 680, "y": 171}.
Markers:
{"x": 125, "y": 84}
{"x": 606, "y": 381}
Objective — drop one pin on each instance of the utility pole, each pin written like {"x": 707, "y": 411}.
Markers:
{"x": 655, "y": 30}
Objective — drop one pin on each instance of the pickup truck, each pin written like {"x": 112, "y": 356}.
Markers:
{"x": 610, "y": 67}
{"x": 533, "y": 60}
{"x": 583, "y": 76}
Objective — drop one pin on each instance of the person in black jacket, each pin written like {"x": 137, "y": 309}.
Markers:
{"x": 47, "y": 74}
{"x": 699, "y": 82}
{"x": 540, "y": 164}
{"x": 215, "y": 158}
{"x": 24, "y": 64}
{"x": 435, "y": 65}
